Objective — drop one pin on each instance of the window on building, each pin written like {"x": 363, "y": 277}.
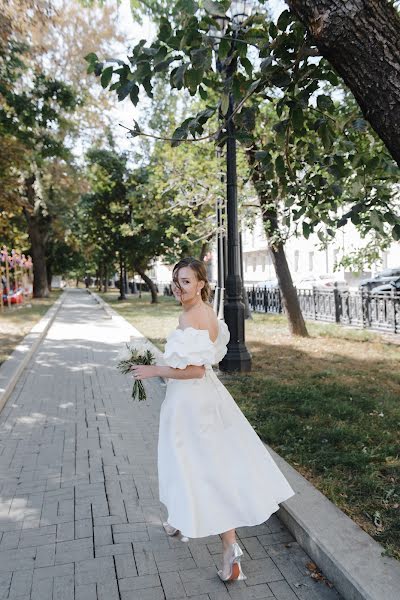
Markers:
{"x": 296, "y": 260}
{"x": 311, "y": 261}
{"x": 335, "y": 257}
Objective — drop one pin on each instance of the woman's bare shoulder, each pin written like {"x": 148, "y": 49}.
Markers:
{"x": 203, "y": 318}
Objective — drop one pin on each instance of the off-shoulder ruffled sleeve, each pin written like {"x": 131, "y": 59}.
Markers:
{"x": 189, "y": 347}
{"x": 194, "y": 347}
{"x": 221, "y": 342}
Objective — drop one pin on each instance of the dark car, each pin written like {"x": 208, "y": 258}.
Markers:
{"x": 392, "y": 285}
{"x": 381, "y": 279}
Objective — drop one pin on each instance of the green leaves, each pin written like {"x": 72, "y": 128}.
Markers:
{"x": 246, "y": 64}
{"x": 106, "y": 76}
{"x": 325, "y": 103}
{"x": 217, "y": 9}
{"x": 224, "y": 103}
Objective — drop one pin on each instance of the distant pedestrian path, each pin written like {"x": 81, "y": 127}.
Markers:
{"x": 79, "y": 512}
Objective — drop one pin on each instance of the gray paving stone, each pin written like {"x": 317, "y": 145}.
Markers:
{"x": 94, "y": 570}
{"x": 113, "y": 549}
{"x": 65, "y": 531}
{"x": 179, "y": 564}
{"x": 149, "y": 594}
{"x": 10, "y": 540}
{"x": 254, "y": 547}
{"x": 21, "y": 583}
{"x": 282, "y": 590}
{"x": 5, "y": 582}
{"x": 254, "y": 592}
{"x": 83, "y": 528}
{"x": 172, "y": 585}
{"x": 23, "y": 559}
{"x": 139, "y": 583}
{"x": 51, "y": 572}
{"x": 42, "y": 589}
{"x": 262, "y": 570}
{"x": 125, "y": 565}
{"x": 108, "y": 590}
{"x": 64, "y": 588}
{"x": 74, "y": 550}
{"x": 86, "y": 592}
{"x": 45, "y": 556}
{"x": 102, "y": 535}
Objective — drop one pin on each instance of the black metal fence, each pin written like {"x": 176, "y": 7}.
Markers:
{"x": 380, "y": 311}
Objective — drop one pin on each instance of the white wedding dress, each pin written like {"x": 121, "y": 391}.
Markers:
{"x": 214, "y": 472}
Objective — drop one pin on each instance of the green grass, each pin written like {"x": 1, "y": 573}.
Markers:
{"x": 329, "y": 404}
{"x": 16, "y": 323}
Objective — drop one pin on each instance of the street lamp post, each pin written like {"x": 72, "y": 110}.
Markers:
{"x": 237, "y": 357}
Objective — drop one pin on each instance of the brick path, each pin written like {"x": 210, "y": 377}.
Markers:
{"x": 79, "y": 512}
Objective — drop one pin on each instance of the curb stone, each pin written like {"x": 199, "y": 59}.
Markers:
{"x": 350, "y": 558}
{"x": 12, "y": 368}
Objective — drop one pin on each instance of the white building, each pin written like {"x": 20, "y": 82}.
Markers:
{"x": 305, "y": 257}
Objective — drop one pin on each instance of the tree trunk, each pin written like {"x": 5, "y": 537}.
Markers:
{"x": 38, "y": 252}
{"x": 150, "y": 283}
{"x": 121, "y": 279}
{"x": 38, "y": 230}
{"x": 361, "y": 40}
{"x": 99, "y": 276}
{"x": 105, "y": 278}
{"x": 290, "y": 300}
{"x": 49, "y": 270}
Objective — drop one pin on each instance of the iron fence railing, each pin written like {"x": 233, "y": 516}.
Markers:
{"x": 379, "y": 311}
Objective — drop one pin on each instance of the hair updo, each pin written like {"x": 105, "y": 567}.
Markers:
{"x": 199, "y": 268}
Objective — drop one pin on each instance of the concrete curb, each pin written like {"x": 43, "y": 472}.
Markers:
{"x": 346, "y": 555}
{"x": 14, "y": 365}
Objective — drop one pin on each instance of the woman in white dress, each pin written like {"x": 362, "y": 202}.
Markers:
{"x": 214, "y": 472}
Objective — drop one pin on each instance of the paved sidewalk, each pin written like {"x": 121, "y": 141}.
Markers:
{"x": 79, "y": 512}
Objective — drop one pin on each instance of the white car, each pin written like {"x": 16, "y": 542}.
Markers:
{"x": 326, "y": 282}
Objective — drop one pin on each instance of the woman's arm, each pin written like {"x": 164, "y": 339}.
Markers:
{"x": 147, "y": 371}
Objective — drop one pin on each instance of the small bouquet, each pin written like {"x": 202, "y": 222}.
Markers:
{"x": 135, "y": 358}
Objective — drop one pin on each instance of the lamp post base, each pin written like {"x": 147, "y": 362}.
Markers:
{"x": 238, "y": 358}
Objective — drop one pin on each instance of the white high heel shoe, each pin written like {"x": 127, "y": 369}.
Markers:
{"x": 232, "y": 569}
{"x": 172, "y": 531}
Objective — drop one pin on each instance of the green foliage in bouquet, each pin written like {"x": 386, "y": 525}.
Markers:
{"x": 135, "y": 358}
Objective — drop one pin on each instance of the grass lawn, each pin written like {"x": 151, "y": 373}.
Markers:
{"x": 17, "y": 322}
{"x": 329, "y": 404}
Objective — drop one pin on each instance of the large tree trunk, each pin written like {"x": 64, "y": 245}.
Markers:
{"x": 49, "y": 270}
{"x": 40, "y": 285}
{"x": 105, "y": 289}
{"x": 361, "y": 40}
{"x": 290, "y": 300}
{"x": 122, "y": 295}
{"x": 150, "y": 283}
{"x": 38, "y": 230}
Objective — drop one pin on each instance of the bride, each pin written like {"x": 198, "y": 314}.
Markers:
{"x": 215, "y": 474}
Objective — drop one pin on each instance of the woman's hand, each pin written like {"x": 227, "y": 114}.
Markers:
{"x": 144, "y": 371}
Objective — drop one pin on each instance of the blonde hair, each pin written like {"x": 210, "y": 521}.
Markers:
{"x": 199, "y": 268}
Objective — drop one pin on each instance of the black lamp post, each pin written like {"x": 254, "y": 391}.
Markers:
{"x": 237, "y": 357}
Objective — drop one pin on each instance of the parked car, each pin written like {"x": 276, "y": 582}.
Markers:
{"x": 392, "y": 285}
{"x": 380, "y": 279}
{"x": 325, "y": 282}
{"x": 269, "y": 283}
